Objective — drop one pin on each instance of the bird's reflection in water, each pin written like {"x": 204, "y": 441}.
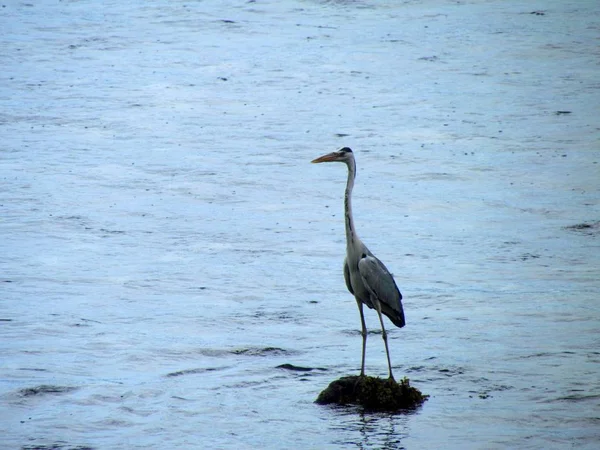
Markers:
{"x": 373, "y": 430}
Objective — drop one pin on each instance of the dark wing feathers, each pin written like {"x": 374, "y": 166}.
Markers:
{"x": 380, "y": 283}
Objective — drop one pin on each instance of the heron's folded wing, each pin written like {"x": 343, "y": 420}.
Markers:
{"x": 382, "y": 285}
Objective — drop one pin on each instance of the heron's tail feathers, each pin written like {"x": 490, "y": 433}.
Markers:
{"x": 396, "y": 315}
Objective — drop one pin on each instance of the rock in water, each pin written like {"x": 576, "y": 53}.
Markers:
{"x": 373, "y": 394}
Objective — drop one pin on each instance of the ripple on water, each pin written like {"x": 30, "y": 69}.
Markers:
{"x": 294, "y": 368}
{"x": 45, "y": 389}
{"x": 56, "y": 445}
{"x": 589, "y": 228}
{"x": 196, "y": 371}
{"x": 261, "y": 351}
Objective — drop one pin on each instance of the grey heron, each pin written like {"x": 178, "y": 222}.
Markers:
{"x": 366, "y": 277}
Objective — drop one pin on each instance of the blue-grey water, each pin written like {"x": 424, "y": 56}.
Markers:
{"x": 165, "y": 243}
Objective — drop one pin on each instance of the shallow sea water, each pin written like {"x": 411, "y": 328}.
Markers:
{"x": 166, "y": 243}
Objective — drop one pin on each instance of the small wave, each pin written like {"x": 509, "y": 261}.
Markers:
{"x": 578, "y": 397}
{"x": 261, "y": 351}
{"x": 46, "y": 389}
{"x": 288, "y": 366}
{"x": 193, "y": 371}
{"x": 56, "y": 446}
{"x": 589, "y": 228}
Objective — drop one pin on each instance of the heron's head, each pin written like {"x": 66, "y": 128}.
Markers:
{"x": 343, "y": 155}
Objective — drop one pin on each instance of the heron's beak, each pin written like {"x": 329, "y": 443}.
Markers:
{"x": 326, "y": 158}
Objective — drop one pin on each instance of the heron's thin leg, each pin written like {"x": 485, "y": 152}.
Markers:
{"x": 384, "y": 335}
{"x": 364, "y": 336}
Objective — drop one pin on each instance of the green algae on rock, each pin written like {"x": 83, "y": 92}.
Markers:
{"x": 372, "y": 393}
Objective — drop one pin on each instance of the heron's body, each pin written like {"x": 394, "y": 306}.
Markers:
{"x": 365, "y": 291}
{"x": 366, "y": 277}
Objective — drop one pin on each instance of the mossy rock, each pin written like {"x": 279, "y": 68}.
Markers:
{"x": 373, "y": 394}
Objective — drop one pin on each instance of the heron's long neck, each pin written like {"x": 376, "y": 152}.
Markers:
{"x": 350, "y": 231}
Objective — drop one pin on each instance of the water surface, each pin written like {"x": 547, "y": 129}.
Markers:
{"x": 166, "y": 243}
